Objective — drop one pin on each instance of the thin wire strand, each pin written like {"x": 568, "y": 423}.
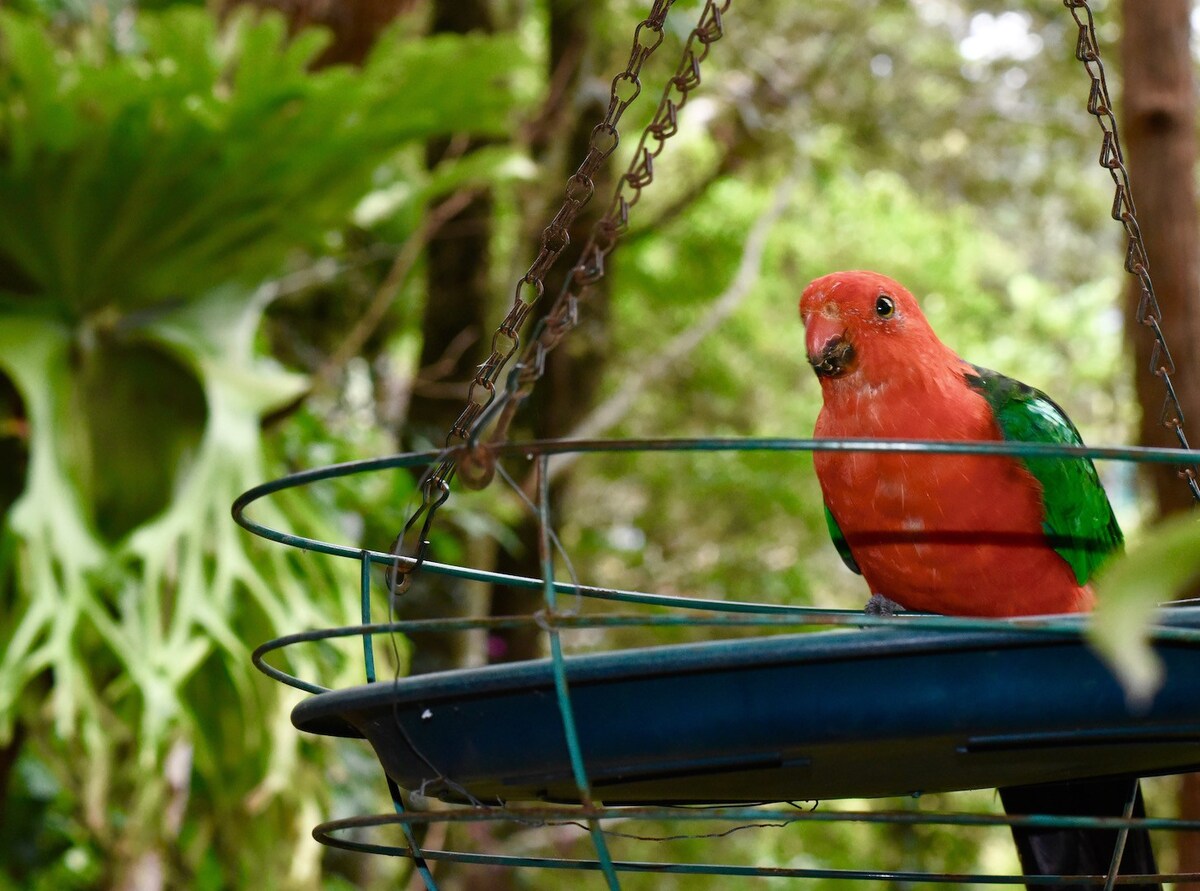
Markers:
{"x": 438, "y": 774}
{"x": 1122, "y": 837}
{"x": 554, "y": 540}
{"x": 562, "y": 689}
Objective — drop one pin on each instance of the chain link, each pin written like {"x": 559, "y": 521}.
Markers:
{"x": 579, "y": 190}
{"x": 1137, "y": 263}
{"x": 563, "y": 315}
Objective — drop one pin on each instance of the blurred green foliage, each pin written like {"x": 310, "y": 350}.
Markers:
{"x": 151, "y": 187}
{"x": 254, "y": 154}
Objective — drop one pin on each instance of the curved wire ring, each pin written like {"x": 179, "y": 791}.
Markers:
{"x": 767, "y": 614}
{"x": 327, "y": 833}
{"x": 734, "y": 444}
{"x": 728, "y": 613}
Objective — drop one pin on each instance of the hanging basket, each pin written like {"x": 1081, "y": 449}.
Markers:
{"x": 880, "y": 707}
{"x": 875, "y": 707}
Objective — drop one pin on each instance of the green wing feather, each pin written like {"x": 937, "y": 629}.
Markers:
{"x": 839, "y": 541}
{"x": 1079, "y": 519}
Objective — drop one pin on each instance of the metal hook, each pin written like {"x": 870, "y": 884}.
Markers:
{"x": 399, "y": 578}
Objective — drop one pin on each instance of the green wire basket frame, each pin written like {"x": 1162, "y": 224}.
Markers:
{"x": 554, "y": 620}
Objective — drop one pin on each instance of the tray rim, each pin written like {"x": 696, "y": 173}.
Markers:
{"x": 322, "y": 712}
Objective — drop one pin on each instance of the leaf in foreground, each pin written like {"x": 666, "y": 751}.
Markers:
{"x": 1129, "y": 590}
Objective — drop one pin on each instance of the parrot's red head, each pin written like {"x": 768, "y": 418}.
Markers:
{"x": 865, "y": 326}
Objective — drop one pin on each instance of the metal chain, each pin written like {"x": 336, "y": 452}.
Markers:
{"x": 1137, "y": 262}
{"x": 580, "y": 186}
{"x": 625, "y": 88}
{"x": 563, "y": 315}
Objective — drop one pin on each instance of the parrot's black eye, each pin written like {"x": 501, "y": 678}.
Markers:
{"x": 885, "y": 306}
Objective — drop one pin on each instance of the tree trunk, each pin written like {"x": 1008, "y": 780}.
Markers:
{"x": 1160, "y": 138}
{"x": 567, "y": 391}
{"x": 454, "y": 340}
{"x": 354, "y": 25}
{"x": 454, "y": 336}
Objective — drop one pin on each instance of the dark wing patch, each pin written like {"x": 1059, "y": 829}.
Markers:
{"x": 839, "y": 541}
{"x": 1079, "y": 520}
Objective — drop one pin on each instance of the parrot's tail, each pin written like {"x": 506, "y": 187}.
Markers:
{"x": 1080, "y": 852}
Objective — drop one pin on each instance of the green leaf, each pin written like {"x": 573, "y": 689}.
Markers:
{"x": 202, "y": 160}
{"x": 1128, "y": 591}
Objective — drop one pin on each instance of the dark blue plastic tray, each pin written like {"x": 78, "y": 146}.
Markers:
{"x": 836, "y": 714}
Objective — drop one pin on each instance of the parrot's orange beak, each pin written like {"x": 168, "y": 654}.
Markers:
{"x": 830, "y": 353}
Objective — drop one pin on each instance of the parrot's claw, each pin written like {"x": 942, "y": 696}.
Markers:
{"x": 879, "y": 605}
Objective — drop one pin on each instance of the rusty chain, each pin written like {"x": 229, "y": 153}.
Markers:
{"x": 605, "y": 137}
{"x": 481, "y": 395}
{"x": 563, "y": 315}
{"x": 1137, "y": 263}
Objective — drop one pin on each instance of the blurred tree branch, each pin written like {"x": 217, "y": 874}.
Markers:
{"x": 406, "y": 258}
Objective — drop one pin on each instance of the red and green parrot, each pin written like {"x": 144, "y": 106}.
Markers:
{"x": 964, "y": 535}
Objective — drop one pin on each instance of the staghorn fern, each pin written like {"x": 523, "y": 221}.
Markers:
{"x": 144, "y": 197}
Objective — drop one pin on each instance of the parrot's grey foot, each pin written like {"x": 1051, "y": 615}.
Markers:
{"x": 879, "y": 605}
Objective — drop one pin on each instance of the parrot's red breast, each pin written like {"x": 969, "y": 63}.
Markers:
{"x": 953, "y": 534}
